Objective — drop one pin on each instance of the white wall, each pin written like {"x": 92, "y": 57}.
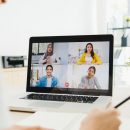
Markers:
{"x": 129, "y": 15}
{"x": 129, "y": 7}
{"x": 20, "y": 19}
{"x": 61, "y": 50}
{"x": 101, "y": 16}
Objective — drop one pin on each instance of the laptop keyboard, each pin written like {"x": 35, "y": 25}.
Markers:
{"x": 63, "y": 98}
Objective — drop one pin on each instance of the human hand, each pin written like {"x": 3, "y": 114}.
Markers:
{"x": 44, "y": 61}
{"x": 48, "y": 60}
{"x": 101, "y": 120}
{"x": 27, "y": 128}
{"x": 88, "y": 63}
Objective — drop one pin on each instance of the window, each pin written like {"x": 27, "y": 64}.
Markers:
{"x": 117, "y": 11}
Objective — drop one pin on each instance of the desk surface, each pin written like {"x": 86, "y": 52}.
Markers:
{"x": 17, "y": 82}
{"x": 119, "y": 94}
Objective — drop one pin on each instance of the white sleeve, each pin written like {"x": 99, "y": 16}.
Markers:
{"x": 97, "y": 83}
{"x": 55, "y": 58}
{"x": 41, "y": 59}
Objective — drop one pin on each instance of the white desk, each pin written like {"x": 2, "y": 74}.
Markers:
{"x": 16, "y": 82}
{"x": 119, "y": 94}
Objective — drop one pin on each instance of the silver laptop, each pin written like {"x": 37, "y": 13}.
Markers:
{"x": 68, "y": 73}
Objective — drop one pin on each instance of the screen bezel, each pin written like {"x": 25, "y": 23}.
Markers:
{"x": 78, "y": 38}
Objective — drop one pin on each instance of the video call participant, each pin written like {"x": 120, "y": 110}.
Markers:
{"x": 48, "y": 80}
{"x": 90, "y": 81}
{"x": 49, "y": 56}
{"x": 89, "y": 56}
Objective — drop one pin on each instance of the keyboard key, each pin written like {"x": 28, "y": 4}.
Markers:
{"x": 66, "y": 98}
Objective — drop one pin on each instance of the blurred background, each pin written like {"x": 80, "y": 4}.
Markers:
{"x": 20, "y": 19}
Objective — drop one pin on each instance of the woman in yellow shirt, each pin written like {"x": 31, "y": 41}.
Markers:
{"x": 89, "y": 56}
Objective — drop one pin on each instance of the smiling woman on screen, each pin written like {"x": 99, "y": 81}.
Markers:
{"x": 89, "y": 56}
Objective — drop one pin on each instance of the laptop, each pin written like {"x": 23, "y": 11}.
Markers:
{"x": 68, "y": 74}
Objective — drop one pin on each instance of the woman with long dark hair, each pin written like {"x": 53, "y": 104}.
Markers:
{"x": 89, "y": 81}
{"x": 89, "y": 56}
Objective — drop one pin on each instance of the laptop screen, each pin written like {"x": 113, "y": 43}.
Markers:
{"x": 72, "y": 67}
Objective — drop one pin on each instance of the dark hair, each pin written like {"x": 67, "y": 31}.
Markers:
{"x": 3, "y": 1}
{"x": 92, "y": 52}
{"x": 92, "y": 67}
{"x": 50, "y": 44}
{"x": 49, "y": 66}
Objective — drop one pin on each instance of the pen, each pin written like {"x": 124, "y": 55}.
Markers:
{"x": 122, "y": 102}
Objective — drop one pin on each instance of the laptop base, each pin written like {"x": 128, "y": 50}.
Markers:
{"x": 36, "y": 105}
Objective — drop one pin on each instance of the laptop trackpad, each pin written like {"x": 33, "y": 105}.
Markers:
{"x": 46, "y": 104}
